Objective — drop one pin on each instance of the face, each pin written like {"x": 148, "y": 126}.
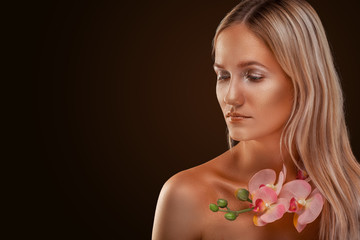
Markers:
{"x": 250, "y": 82}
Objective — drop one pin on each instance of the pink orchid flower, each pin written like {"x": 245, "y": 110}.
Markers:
{"x": 267, "y": 177}
{"x": 307, "y": 207}
{"x": 264, "y": 195}
{"x": 268, "y": 206}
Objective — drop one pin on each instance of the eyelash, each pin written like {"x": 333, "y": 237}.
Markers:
{"x": 247, "y": 75}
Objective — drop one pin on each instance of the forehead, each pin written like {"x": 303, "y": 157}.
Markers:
{"x": 238, "y": 43}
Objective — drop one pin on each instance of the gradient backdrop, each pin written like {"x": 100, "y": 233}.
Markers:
{"x": 125, "y": 98}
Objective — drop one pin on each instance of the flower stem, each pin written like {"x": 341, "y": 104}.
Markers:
{"x": 221, "y": 210}
{"x": 244, "y": 210}
{"x": 237, "y": 212}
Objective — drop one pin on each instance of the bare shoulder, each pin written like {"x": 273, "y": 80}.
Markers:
{"x": 190, "y": 180}
{"x": 190, "y": 183}
{"x": 179, "y": 206}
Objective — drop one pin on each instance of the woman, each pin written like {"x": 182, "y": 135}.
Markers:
{"x": 275, "y": 69}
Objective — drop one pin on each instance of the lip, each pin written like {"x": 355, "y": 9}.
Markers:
{"x": 236, "y": 115}
{"x": 237, "y": 119}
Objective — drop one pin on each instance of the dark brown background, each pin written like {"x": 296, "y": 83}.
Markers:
{"x": 124, "y": 99}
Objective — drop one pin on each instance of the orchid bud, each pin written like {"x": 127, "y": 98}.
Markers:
{"x": 222, "y": 203}
{"x": 230, "y": 216}
{"x": 214, "y": 207}
{"x": 242, "y": 194}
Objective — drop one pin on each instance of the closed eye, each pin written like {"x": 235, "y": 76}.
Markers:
{"x": 250, "y": 77}
{"x": 254, "y": 78}
{"x": 222, "y": 77}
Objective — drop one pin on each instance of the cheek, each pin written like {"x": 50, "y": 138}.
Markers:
{"x": 276, "y": 102}
{"x": 220, "y": 95}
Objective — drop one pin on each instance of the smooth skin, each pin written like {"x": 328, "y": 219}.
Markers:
{"x": 263, "y": 92}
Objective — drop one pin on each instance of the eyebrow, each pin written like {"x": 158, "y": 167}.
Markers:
{"x": 243, "y": 64}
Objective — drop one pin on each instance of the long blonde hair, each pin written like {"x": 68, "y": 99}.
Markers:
{"x": 316, "y": 129}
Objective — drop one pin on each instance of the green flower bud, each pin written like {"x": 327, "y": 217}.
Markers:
{"x": 230, "y": 216}
{"x": 242, "y": 194}
{"x": 214, "y": 207}
{"x": 222, "y": 203}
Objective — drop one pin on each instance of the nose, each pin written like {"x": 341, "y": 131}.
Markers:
{"x": 235, "y": 93}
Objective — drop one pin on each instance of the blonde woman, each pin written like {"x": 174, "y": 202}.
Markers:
{"x": 283, "y": 105}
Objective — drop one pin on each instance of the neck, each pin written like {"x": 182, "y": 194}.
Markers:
{"x": 254, "y": 155}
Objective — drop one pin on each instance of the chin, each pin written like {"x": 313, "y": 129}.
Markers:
{"x": 243, "y": 136}
{"x": 239, "y": 138}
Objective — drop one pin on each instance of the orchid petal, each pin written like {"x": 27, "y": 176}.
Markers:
{"x": 299, "y": 227}
{"x": 280, "y": 182}
{"x": 265, "y": 176}
{"x": 282, "y": 177}
{"x": 275, "y": 212}
{"x": 267, "y": 194}
{"x": 284, "y": 171}
{"x": 312, "y": 210}
{"x": 284, "y": 202}
{"x": 258, "y": 222}
{"x": 315, "y": 191}
{"x": 299, "y": 189}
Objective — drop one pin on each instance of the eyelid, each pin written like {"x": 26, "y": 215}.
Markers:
{"x": 220, "y": 76}
{"x": 246, "y": 74}
{"x": 252, "y": 71}
{"x": 253, "y": 76}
